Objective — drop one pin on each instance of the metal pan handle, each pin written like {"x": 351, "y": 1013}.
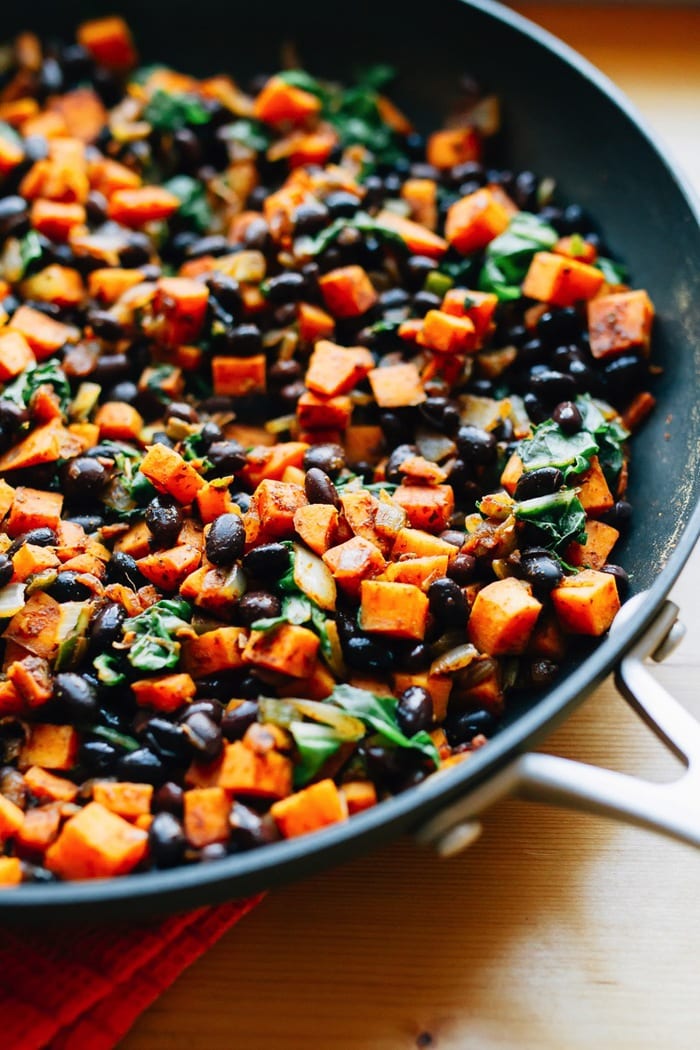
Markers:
{"x": 671, "y": 809}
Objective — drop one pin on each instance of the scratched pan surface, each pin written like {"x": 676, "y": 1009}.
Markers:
{"x": 561, "y": 118}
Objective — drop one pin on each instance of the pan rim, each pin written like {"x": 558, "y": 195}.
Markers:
{"x": 241, "y": 874}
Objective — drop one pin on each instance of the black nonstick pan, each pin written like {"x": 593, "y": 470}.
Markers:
{"x": 561, "y": 117}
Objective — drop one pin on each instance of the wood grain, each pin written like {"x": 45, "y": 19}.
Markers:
{"x": 556, "y": 931}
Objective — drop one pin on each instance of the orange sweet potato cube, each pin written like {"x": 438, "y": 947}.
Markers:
{"x": 354, "y": 561}
{"x": 15, "y": 355}
{"x": 109, "y": 41}
{"x": 594, "y": 492}
{"x": 397, "y": 386}
{"x": 503, "y": 617}
{"x": 144, "y": 204}
{"x": 477, "y": 219}
{"x": 555, "y": 279}
{"x": 420, "y": 544}
{"x": 317, "y": 525}
{"x": 125, "y": 799}
{"x": 168, "y": 569}
{"x": 347, "y": 291}
{"x": 451, "y": 146}
{"x": 239, "y": 376}
{"x": 164, "y": 693}
{"x": 279, "y": 101}
{"x": 119, "y": 421}
{"x": 336, "y": 369}
{"x": 359, "y": 795}
{"x": 287, "y": 649}
{"x": 446, "y": 334}
{"x": 170, "y": 473}
{"x": 34, "y": 509}
{"x": 40, "y": 828}
{"x": 214, "y": 651}
{"x": 277, "y": 503}
{"x": 479, "y": 307}
{"x": 44, "y": 334}
{"x": 48, "y": 787}
{"x": 50, "y": 746}
{"x": 586, "y": 603}
{"x": 246, "y": 772}
{"x": 206, "y": 813}
{"x": 594, "y": 553}
{"x": 96, "y": 844}
{"x": 512, "y": 473}
{"x": 183, "y": 302}
{"x": 10, "y": 871}
{"x": 429, "y": 507}
{"x": 11, "y": 818}
{"x": 620, "y": 322}
{"x": 397, "y": 610}
{"x": 308, "y": 810}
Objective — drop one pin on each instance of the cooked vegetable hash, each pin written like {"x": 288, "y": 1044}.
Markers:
{"x": 312, "y": 445}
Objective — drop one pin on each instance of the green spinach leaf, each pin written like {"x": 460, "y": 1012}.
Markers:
{"x": 549, "y": 446}
{"x": 560, "y": 517}
{"x": 194, "y": 207}
{"x": 21, "y": 390}
{"x": 508, "y": 256}
{"x": 172, "y": 111}
{"x": 250, "y": 133}
{"x": 379, "y": 713}
{"x": 315, "y": 745}
{"x": 154, "y": 647}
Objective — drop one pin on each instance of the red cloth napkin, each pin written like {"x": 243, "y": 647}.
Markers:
{"x": 82, "y": 989}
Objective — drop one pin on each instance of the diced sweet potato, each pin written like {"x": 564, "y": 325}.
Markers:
{"x": 214, "y": 651}
{"x": 206, "y": 813}
{"x": 96, "y": 844}
{"x": 323, "y": 413}
{"x": 109, "y": 284}
{"x": 137, "y": 207}
{"x": 594, "y": 492}
{"x": 317, "y": 525}
{"x": 35, "y": 626}
{"x": 56, "y": 219}
{"x": 503, "y": 617}
{"x": 49, "y": 788}
{"x": 420, "y": 544}
{"x": 337, "y": 369}
{"x": 512, "y": 473}
{"x": 50, "y": 746}
{"x": 239, "y": 376}
{"x": 31, "y": 677}
{"x": 10, "y": 871}
{"x": 183, "y": 303}
{"x": 44, "y": 334}
{"x": 574, "y": 247}
{"x": 119, "y": 421}
{"x": 479, "y": 307}
{"x": 398, "y": 610}
{"x": 347, "y": 291}
{"x": 170, "y": 473}
{"x": 586, "y": 603}
{"x": 418, "y": 239}
{"x": 126, "y": 799}
{"x": 354, "y": 561}
{"x": 429, "y": 507}
{"x": 308, "y": 810}
{"x": 15, "y": 355}
{"x": 109, "y": 41}
{"x": 34, "y": 509}
{"x": 620, "y": 322}
{"x": 11, "y": 154}
{"x": 359, "y": 795}
{"x": 287, "y": 649}
{"x": 314, "y": 323}
{"x": 421, "y": 196}
{"x": 438, "y": 685}
{"x": 397, "y": 386}
{"x": 446, "y": 334}
{"x": 594, "y": 553}
{"x": 420, "y": 572}
{"x": 477, "y": 219}
{"x": 277, "y": 503}
{"x": 46, "y": 444}
{"x": 31, "y": 559}
{"x": 279, "y": 101}
{"x": 39, "y": 829}
{"x": 637, "y": 411}
{"x": 555, "y": 279}
{"x": 451, "y": 146}
{"x": 215, "y": 499}
{"x": 164, "y": 693}
{"x": 168, "y": 569}
{"x": 241, "y": 771}
{"x": 11, "y": 818}
{"x": 271, "y": 463}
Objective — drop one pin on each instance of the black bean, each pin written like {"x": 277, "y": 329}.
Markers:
{"x": 364, "y": 654}
{"x": 397, "y": 457}
{"x": 416, "y": 269}
{"x": 257, "y": 236}
{"x": 621, "y": 579}
{"x": 169, "y": 798}
{"x": 207, "y": 706}
{"x": 568, "y": 416}
{"x": 83, "y": 477}
{"x": 41, "y": 537}
{"x": 225, "y": 540}
{"x": 476, "y": 446}
{"x": 269, "y": 561}
{"x": 210, "y": 433}
{"x": 237, "y": 719}
{"x": 341, "y": 205}
{"x": 77, "y": 695}
{"x": 283, "y": 372}
{"x": 542, "y": 570}
{"x": 543, "y": 672}
{"x": 447, "y": 602}
{"x": 463, "y": 727}
{"x": 68, "y": 588}
{"x": 258, "y": 605}
{"x": 625, "y": 374}
{"x": 106, "y": 627}
{"x": 320, "y": 489}
{"x": 424, "y": 301}
{"x": 164, "y": 519}
{"x": 389, "y": 765}
{"x": 6, "y": 569}
{"x": 105, "y": 326}
{"x": 291, "y": 392}
{"x": 142, "y": 766}
{"x": 286, "y": 288}
{"x": 248, "y": 829}
{"x": 122, "y": 568}
{"x": 328, "y": 458}
{"x": 551, "y": 386}
{"x": 167, "y": 740}
{"x": 137, "y": 252}
{"x": 14, "y": 216}
{"x": 455, "y": 537}
{"x": 541, "y": 482}
{"x": 309, "y": 218}
{"x": 13, "y": 786}
{"x": 415, "y": 658}
{"x": 226, "y": 457}
{"x": 226, "y": 291}
{"x": 559, "y": 327}
{"x": 110, "y": 369}
{"x": 414, "y": 711}
{"x": 620, "y": 515}
{"x": 531, "y": 353}
{"x": 204, "y": 734}
{"x": 166, "y": 840}
{"x": 98, "y": 757}
{"x": 215, "y": 244}
{"x": 442, "y": 413}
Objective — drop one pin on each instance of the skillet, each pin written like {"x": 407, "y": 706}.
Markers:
{"x": 562, "y": 118}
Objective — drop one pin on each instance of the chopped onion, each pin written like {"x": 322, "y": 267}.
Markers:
{"x": 455, "y": 659}
{"x": 314, "y": 578}
{"x": 11, "y": 599}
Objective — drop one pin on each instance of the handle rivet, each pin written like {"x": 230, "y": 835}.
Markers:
{"x": 458, "y": 838}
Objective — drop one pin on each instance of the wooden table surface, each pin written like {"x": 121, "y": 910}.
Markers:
{"x": 555, "y": 931}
